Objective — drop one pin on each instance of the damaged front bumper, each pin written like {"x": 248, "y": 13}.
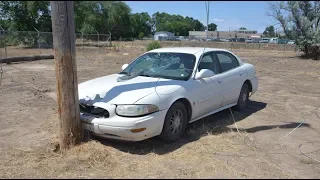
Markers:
{"x": 123, "y": 128}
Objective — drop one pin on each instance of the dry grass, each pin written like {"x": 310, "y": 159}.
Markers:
{"x": 210, "y": 148}
{"x": 214, "y": 156}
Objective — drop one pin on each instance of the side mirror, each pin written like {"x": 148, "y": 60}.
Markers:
{"x": 124, "y": 66}
{"x": 204, "y": 73}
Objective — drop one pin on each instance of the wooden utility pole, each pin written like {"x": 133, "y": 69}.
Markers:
{"x": 63, "y": 30}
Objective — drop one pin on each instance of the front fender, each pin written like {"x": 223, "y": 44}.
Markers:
{"x": 164, "y": 101}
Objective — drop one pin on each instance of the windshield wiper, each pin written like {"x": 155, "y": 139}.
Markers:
{"x": 123, "y": 72}
{"x": 145, "y": 75}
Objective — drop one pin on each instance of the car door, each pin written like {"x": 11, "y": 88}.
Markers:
{"x": 231, "y": 78}
{"x": 206, "y": 94}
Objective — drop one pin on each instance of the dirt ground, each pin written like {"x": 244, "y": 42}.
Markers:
{"x": 288, "y": 96}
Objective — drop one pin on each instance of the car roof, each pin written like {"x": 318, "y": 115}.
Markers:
{"x": 188, "y": 50}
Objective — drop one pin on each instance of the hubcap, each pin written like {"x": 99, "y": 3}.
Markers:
{"x": 176, "y": 121}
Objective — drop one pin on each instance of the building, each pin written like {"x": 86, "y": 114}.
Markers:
{"x": 163, "y": 35}
{"x": 246, "y": 31}
{"x": 222, "y": 34}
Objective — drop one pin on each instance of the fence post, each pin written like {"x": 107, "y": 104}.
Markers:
{"x": 110, "y": 39}
{"x": 38, "y": 40}
{"x": 5, "y": 49}
{"x": 82, "y": 42}
{"x": 98, "y": 38}
{"x": 5, "y": 44}
{"x": 1, "y": 71}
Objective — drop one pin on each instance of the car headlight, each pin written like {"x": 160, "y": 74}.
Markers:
{"x": 135, "y": 110}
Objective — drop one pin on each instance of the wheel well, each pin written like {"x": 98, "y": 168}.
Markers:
{"x": 187, "y": 104}
{"x": 248, "y": 82}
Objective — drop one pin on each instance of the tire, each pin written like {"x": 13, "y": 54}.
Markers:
{"x": 175, "y": 122}
{"x": 243, "y": 98}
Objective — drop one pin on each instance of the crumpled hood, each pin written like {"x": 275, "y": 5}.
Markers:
{"x": 108, "y": 89}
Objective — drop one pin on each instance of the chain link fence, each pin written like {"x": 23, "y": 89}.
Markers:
{"x": 28, "y": 43}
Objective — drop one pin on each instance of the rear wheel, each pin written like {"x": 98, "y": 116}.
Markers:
{"x": 175, "y": 122}
{"x": 243, "y": 98}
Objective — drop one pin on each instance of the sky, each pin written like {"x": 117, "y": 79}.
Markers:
{"x": 226, "y": 14}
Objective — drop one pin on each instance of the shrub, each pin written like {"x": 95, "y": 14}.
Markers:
{"x": 314, "y": 51}
{"x": 153, "y": 45}
{"x": 141, "y": 35}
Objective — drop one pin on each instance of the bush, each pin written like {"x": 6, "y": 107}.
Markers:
{"x": 141, "y": 35}
{"x": 314, "y": 51}
{"x": 153, "y": 45}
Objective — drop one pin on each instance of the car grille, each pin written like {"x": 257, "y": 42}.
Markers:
{"x": 94, "y": 111}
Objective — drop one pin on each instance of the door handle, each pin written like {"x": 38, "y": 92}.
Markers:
{"x": 219, "y": 81}
{"x": 241, "y": 73}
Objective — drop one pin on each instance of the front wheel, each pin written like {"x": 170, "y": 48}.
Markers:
{"x": 243, "y": 98}
{"x": 175, "y": 122}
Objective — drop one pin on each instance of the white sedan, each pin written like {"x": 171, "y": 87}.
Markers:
{"x": 163, "y": 90}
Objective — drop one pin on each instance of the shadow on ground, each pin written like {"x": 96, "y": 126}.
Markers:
{"x": 215, "y": 124}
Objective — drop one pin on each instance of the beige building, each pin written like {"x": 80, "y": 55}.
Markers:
{"x": 246, "y": 31}
{"x": 223, "y": 34}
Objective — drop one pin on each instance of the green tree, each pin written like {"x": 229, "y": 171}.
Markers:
{"x": 91, "y": 17}
{"x": 104, "y": 17}
{"x": 141, "y": 23}
{"x": 153, "y": 45}
{"x": 175, "y": 23}
{"x": 269, "y": 31}
{"x": 141, "y": 35}
{"x": 299, "y": 20}
{"x": 212, "y": 27}
{"x": 119, "y": 20}
{"x": 26, "y": 16}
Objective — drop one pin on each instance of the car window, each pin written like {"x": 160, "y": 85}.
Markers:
{"x": 227, "y": 61}
{"x": 209, "y": 62}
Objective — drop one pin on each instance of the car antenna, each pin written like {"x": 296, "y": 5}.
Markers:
{"x": 207, "y": 3}
{"x": 205, "y": 44}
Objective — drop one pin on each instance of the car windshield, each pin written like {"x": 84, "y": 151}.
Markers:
{"x": 177, "y": 66}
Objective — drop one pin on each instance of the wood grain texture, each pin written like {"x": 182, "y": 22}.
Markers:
{"x": 63, "y": 29}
